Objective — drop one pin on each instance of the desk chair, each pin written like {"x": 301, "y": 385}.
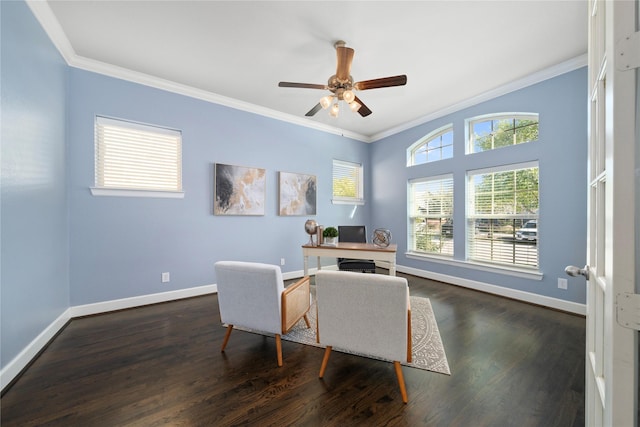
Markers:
{"x": 355, "y": 234}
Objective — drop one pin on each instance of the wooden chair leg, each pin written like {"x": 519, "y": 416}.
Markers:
{"x": 306, "y": 320}
{"x": 226, "y": 338}
{"x": 325, "y": 360}
{"x": 279, "y": 349}
{"x": 317, "y": 326}
{"x": 403, "y": 390}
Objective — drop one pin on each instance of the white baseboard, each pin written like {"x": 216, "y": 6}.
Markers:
{"x": 124, "y": 303}
{"x": 18, "y": 363}
{"x": 554, "y": 303}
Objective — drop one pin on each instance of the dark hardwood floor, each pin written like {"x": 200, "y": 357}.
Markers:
{"x": 512, "y": 364}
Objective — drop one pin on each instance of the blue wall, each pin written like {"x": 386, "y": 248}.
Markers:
{"x": 35, "y": 256}
{"x": 63, "y": 247}
{"x": 562, "y": 155}
{"x": 120, "y": 246}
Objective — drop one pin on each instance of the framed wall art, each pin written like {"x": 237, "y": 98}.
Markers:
{"x": 296, "y": 194}
{"x": 238, "y": 190}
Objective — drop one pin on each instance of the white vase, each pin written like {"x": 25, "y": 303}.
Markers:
{"x": 330, "y": 241}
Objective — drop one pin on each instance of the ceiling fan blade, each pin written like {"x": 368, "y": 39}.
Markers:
{"x": 364, "y": 111}
{"x": 302, "y": 85}
{"x": 383, "y": 82}
{"x": 345, "y": 57}
{"x": 314, "y": 110}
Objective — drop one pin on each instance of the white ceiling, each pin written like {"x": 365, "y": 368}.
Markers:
{"x": 454, "y": 53}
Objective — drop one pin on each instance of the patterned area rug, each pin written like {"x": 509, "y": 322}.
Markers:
{"x": 428, "y": 351}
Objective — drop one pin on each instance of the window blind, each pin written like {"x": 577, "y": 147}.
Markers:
{"x": 347, "y": 182}
{"x": 431, "y": 215}
{"x": 137, "y": 157}
{"x": 499, "y": 203}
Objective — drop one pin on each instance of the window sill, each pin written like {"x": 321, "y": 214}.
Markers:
{"x": 497, "y": 269}
{"x": 118, "y": 192}
{"x": 347, "y": 202}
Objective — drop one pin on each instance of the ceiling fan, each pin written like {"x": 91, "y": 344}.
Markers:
{"x": 342, "y": 86}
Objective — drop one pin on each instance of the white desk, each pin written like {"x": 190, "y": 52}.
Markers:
{"x": 353, "y": 251}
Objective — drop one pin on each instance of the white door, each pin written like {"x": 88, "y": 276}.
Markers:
{"x": 611, "y": 369}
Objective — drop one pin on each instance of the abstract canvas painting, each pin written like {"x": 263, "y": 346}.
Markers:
{"x": 239, "y": 190}
{"x": 297, "y": 194}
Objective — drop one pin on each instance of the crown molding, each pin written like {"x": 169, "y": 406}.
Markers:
{"x": 540, "y": 76}
{"x": 45, "y": 16}
{"x": 50, "y": 24}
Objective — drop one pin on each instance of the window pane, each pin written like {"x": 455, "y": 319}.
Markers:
{"x": 447, "y": 151}
{"x": 420, "y": 155}
{"x": 447, "y": 138}
{"x": 502, "y": 219}
{"x": 431, "y": 216}
{"x": 347, "y": 182}
{"x": 433, "y": 155}
{"x": 431, "y": 147}
{"x": 502, "y": 131}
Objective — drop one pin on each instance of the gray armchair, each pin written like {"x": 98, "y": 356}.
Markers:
{"x": 253, "y": 295}
{"x": 368, "y": 314}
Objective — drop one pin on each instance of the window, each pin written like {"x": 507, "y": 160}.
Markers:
{"x": 437, "y": 145}
{"x": 502, "y": 215}
{"x": 131, "y": 156}
{"x": 347, "y": 183}
{"x": 495, "y": 131}
{"x": 431, "y": 215}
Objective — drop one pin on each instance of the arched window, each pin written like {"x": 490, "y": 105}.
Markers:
{"x": 437, "y": 145}
{"x": 501, "y": 130}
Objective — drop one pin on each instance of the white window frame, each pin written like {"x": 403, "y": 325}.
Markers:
{"x": 345, "y": 169}
{"x": 472, "y": 232}
{"x": 424, "y": 142}
{"x": 439, "y": 218}
{"x": 134, "y": 148}
{"x": 469, "y": 123}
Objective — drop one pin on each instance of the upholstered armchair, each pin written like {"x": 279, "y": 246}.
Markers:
{"x": 368, "y": 314}
{"x": 252, "y": 295}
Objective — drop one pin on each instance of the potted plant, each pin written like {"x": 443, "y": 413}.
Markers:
{"x": 330, "y": 234}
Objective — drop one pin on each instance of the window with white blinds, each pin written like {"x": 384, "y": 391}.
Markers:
{"x": 347, "y": 183}
{"x": 133, "y": 156}
{"x": 502, "y": 215}
{"x": 431, "y": 215}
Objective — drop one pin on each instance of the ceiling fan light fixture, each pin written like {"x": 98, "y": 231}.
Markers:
{"x": 348, "y": 96}
{"x": 325, "y": 101}
{"x": 334, "y": 110}
{"x": 342, "y": 86}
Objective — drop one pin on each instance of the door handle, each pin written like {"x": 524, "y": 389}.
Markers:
{"x": 574, "y": 271}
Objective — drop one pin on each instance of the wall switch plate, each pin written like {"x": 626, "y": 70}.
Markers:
{"x": 166, "y": 277}
{"x": 562, "y": 283}
{"x": 281, "y": 261}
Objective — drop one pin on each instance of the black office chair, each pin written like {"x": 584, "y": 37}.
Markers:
{"x": 356, "y": 234}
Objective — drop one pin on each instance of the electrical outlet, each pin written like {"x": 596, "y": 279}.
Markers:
{"x": 281, "y": 261}
{"x": 562, "y": 283}
{"x": 166, "y": 277}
